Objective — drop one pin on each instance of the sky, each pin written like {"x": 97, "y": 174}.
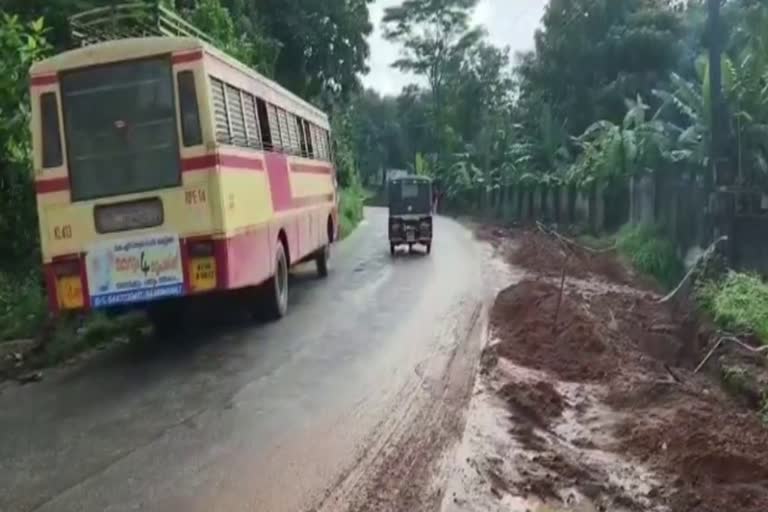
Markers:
{"x": 508, "y": 23}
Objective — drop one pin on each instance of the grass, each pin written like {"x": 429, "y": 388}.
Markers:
{"x": 23, "y": 306}
{"x": 72, "y": 336}
{"x": 350, "y": 210}
{"x": 24, "y": 315}
{"x": 650, "y": 253}
{"x": 739, "y": 302}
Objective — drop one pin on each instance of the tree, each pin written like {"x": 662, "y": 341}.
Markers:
{"x": 323, "y": 44}
{"x": 20, "y": 45}
{"x": 249, "y": 47}
{"x": 434, "y": 35}
{"x": 611, "y": 151}
{"x": 592, "y": 54}
{"x": 377, "y": 134}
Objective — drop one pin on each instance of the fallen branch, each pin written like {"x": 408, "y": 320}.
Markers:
{"x": 572, "y": 242}
{"x": 704, "y": 257}
{"x": 732, "y": 339}
{"x": 709, "y": 354}
{"x": 673, "y": 374}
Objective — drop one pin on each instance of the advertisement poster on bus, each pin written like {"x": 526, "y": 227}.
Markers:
{"x": 131, "y": 270}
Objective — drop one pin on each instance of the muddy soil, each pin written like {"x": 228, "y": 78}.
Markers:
{"x": 546, "y": 256}
{"x": 603, "y": 411}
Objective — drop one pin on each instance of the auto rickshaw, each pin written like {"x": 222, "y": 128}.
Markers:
{"x": 410, "y": 212}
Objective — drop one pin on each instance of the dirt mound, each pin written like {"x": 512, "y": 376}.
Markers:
{"x": 546, "y": 255}
{"x": 535, "y": 402}
{"x": 524, "y": 316}
{"x": 717, "y": 455}
{"x": 707, "y": 451}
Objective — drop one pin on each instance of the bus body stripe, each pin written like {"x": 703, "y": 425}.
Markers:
{"x": 279, "y": 182}
{"x": 278, "y": 175}
{"x": 198, "y": 163}
{"x": 52, "y": 185}
{"x": 310, "y": 169}
{"x": 43, "y": 80}
{"x": 219, "y": 159}
{"x": 183, "y": 58}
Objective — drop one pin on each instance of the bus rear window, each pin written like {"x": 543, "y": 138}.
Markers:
{"x": 120, "y": 128}
{"x": 49, "y": 117}
{"x": 190, "y": 115}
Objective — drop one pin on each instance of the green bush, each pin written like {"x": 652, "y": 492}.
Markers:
{"x": 651, "y": 253}
{"x": 22, "y": 306}
{"x": 350, "y": 209}
{"x": 739, "y": 303}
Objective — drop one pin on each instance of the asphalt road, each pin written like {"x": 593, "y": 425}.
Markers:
{"x": 347, "y": 403}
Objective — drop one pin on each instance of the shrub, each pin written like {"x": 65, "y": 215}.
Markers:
{"x": 350, "y": 209}
{"x": 22, "y": 306}
{"x": 739, "y": 302}
{"x": 651, "y": 253}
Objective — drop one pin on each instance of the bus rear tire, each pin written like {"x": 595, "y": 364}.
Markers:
{"x": 276, "y": 288}
{"x": 321, "y": 260}
{"x": 167, "y": 318}
{"x": 429, "y": 247}
{"x": 392, "y": 249}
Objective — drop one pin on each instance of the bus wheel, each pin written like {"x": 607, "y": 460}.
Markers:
{"x": 392, "y": 249}
{"x": 321, "y": 260}
{"x": 429, "y": 247}
{"x": 167, "y": 318}
{"x": 276, "y": 288}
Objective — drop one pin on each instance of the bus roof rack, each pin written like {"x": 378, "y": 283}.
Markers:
{"x": 133, "y": 19}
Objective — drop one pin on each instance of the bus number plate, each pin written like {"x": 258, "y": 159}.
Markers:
{"x": 203, "y": 274}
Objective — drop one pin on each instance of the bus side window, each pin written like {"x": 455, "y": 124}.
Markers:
{"x": 274, "y": 128}
{"x": 236, "y": 117}
{"x": 328, "y": 144}
{"x": 308, "y": 136}
{"x": 220, "y": 111}
{"x": 266, "y": 134}
{"x": 323, "y": 146}
{"x": 302, "y": 136}
{"x": 293, "y": 131}
{"x": 252, "y": 130}
{"x": 191, "y": 132}
{"x": 285, "y": 136}
{"x": 49, "y": 113}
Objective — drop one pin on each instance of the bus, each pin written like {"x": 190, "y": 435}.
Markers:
{"x": 166, "y": 169}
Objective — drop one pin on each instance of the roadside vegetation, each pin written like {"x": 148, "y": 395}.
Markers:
{"x": 650, "y": 253}
{"x": 350, "y": 210}
{"x": 737, "y": 303}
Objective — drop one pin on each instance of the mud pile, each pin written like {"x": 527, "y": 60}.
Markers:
{"x": 546, "y": 255}
{"x": 573, "y": 349}
{"x": 644, "y": 403}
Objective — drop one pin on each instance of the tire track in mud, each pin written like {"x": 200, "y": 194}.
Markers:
{"x": 397, "y": 470}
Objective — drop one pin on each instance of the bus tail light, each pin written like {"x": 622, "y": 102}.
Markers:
{"x": 69, "y": 285}
{"x": 202, "y": 266}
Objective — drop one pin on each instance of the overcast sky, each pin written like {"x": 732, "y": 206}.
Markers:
{"x": 508, "y": 23}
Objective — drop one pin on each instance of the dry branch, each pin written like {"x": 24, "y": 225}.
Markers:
{"x": 706, "y": 256}
{"x": 731, "y": 339}
{"x": 572, "y": 243}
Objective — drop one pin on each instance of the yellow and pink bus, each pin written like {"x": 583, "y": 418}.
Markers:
{"x": 166, "y": 169}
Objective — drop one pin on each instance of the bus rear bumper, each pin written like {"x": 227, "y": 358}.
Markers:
{"x": 209, "y": 265}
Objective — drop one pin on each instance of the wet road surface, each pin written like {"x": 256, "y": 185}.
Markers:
{"x": 347, "y": 402}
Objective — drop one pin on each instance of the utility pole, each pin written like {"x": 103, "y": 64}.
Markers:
{"x": 716, "y": 85}
{"x": 722, "y": 202}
